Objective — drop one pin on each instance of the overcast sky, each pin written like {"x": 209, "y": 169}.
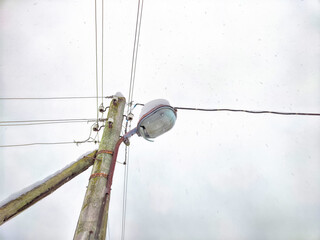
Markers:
{"x": 215, "y": 175}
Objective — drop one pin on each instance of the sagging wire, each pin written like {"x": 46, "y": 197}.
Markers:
{"x": 247, "y": 111}
{"x": 89, "y": 138}
{"x": 96, "y": 128}
{"x": 240, "y": 110}
{"x": 38, "y": 143}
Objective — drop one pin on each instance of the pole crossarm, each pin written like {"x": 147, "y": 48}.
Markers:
{"x": 21, "y": 202}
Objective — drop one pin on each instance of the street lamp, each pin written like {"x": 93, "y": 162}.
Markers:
{"x": 156, "y": 118}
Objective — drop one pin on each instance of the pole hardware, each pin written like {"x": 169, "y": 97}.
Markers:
{"x": 110, "y": 122}
{"x": 101, "y": 108}
{"x": 115, "y": 99}
{"x": 130, "y": 117}
{"x": 95, "y": 127}
{"x": 156, "y": 118}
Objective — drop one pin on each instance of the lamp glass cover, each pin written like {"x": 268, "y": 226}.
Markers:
{"x": 157, "y": 122}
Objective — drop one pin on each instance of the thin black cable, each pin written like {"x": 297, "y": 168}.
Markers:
{"x": 247, "y": 111}
{"x": 41, "y": 143}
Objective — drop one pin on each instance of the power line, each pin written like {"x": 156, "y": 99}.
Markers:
{"x": 88, "y": 140}
{"x": 49, "y": 120}
{"x": 125, "y": 185}
{"x": 52, "y": 98}
{"x": 40, "y": 123}
{"x": 96, "y": 48}
{"x": 247, "y": 111}
{"x": 41, "y": 143}
{"x": 108, "y": 227}
{"x": 102, "y": 63}
{"x": 240, "y": 110}
{"x": 102, "y": 37}
{"x": 131, "y": 88}
{"x": 135, "y": 53}
{"x": 125, "y": 193}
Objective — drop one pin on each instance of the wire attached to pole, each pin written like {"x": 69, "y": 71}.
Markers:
{"x": 96, "y": 47}
{"x": 125, "y": 185}
{"x": 52, "y": 98}
{"x": 247, "y": 111}
{"x": 102, "y": 53}
{"x": 129, "y": 109}
{"x": 135, "y": 53}
{"x": 44, "y": 143}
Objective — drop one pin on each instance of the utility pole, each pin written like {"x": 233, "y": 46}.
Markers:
{"x": 92, "y": 222}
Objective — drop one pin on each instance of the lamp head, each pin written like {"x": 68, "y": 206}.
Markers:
{"x": 156, "y": 118}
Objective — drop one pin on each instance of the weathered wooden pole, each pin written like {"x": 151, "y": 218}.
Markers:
{"x": 21, "y": 201}
{"x": 92, "y": 222}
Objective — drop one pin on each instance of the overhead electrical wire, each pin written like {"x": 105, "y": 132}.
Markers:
{"x": 129, "y": 109}
{"x": 43, "y": 143}
{"x": 125, "y": 186}
{"x": 96, "y": 52}
{"x": 52, "y": 98}
{"x": 101, "y": 108}
{"x": 102, "y": 40}
{"x": 102, "y": 64}
{"x": 247, "y": 111}
{"x": 125, "y": 193}
{"x": 49, "y": 120}
{"x": 87, "y": 140}
{"x": 108, "y": 229}
{"x": 135, "y": 53}
{"x": 239, "y": 110}
{"x": 40, "y": 123}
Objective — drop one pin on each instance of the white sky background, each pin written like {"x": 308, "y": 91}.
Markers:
{"x": 214, "y": 175}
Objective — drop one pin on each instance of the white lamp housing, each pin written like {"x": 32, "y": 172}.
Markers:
{"x": 156, "y": 118}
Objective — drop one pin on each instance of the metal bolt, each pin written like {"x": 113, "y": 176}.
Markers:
{"x": 126, "y": 142}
